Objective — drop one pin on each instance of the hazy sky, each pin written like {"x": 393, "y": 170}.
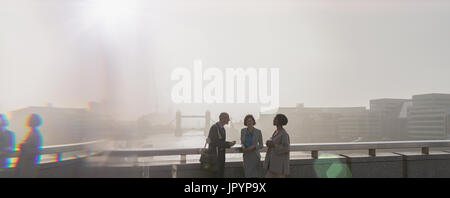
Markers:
{"x": 330, "y": 53}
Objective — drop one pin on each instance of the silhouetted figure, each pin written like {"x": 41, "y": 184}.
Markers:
{"x": 7, "y": 141}
{"x": 251, "y": 140}
{"x": 277, "y": 157}
{"x": 217, "y": 143}
{"x": 30, "y": 149}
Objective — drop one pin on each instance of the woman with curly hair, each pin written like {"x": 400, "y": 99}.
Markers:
{"x": 277, "y": 157}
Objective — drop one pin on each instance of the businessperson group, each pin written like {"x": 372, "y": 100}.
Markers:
{"x": 276, "y": 163}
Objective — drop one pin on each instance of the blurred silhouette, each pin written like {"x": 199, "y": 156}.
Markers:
{"x": 7, "y": 141}
{"x": 30, "y": 148}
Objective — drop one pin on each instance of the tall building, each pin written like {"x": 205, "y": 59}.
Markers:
{"x": 387, "y": 106}
{"x": 354, "y": 125}
{"x": 388, "y": 118}
{"x": 429, "y": 117}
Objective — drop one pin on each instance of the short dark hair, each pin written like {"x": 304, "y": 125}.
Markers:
{"x": 281, "y": 119}
{"x": 223, "y": 115}
{"x": 249, "y": 116}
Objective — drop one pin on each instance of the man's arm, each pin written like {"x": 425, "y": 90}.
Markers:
{"x": 214, "y": 138}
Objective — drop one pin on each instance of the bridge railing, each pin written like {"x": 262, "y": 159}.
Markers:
{"x": 313, "y": 148}
{"x": 89, "y": 148}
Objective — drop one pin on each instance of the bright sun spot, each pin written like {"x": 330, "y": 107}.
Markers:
{"x": 110, "y": 12}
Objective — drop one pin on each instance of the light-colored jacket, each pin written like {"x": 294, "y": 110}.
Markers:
{"x": 277, "y": 158}
{"x": 257, "y": 140}
{"x": 252, "y": 159}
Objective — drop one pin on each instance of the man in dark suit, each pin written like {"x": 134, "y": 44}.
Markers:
{"x": 217, "y": 143}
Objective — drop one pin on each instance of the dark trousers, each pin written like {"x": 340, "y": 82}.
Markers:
{"x": 221, "y": 164}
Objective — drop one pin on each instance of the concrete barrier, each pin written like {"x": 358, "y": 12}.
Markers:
{"x": 434, "y": 165}
{"x": 384, "y": 165}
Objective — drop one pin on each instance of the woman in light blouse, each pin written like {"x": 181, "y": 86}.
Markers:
{"x": 251, "y": 141}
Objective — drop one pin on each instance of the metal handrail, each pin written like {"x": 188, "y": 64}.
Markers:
{"x": 57, "y": 149}
{"x": 314, "y": 148}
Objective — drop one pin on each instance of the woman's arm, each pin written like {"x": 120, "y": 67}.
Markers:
{"x": 258, "y": 145}
{"x": 243, "y": 137}
{"x": 284, "y": 145}
{"x": 260, "y": 141}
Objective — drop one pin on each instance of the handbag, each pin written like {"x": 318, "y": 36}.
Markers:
{"x": 208, "y": 157}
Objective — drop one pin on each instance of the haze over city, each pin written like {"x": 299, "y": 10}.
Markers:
{"x": 329, "y": 53}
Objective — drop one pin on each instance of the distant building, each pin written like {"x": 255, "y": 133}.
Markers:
{"x": 387, "y": 106}
{"x": 322, "y": 124}
{"x": 354, "y": 124}
{"x": 424, "y": 117}
{"x": 388, "y": 118}
{"x": 428, "y": 118}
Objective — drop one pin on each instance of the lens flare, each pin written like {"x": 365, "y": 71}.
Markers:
{"x": 330, "y": 166}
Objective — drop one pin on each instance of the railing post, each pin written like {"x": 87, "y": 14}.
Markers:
{"x": 178, "y": 131}
{"x": 425, "y": 150}
{"x": 135, "y": 160}
{"x": 315, "y": 154}
{"x": 174, "y": 171}
{"x": 146, "y": 172}
{"x": 372, "y": 153}
{"x": 183, "y": 159}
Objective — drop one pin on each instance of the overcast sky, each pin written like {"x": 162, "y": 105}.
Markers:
{"x": 330, "y": 53}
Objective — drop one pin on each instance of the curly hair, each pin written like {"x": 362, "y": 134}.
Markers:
{"x": 249, "y": 116}
{"x": 281, "y": 119}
